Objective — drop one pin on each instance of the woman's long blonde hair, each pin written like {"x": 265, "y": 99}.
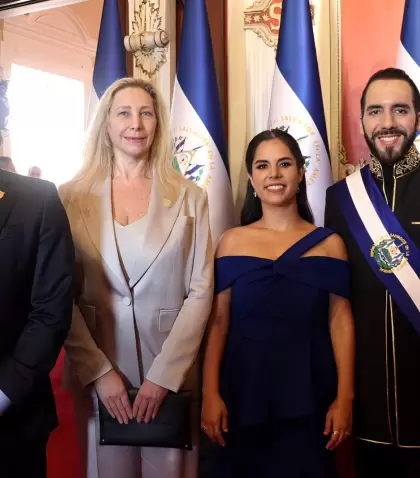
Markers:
{"x": 98, "y": 154}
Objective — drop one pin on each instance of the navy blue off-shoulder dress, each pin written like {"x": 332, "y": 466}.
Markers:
{"x": 278, "y": 375}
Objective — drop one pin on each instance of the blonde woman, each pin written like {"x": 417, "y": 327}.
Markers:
{"x": 145, "y": 280}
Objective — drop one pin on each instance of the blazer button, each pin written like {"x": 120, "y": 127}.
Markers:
{"x": 126, "y": 301}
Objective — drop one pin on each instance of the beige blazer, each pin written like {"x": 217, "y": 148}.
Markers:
{"x": 151, "y": 327}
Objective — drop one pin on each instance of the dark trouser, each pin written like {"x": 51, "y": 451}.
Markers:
{"x": 24, "y": 460}
{"x": 385, "y": 461}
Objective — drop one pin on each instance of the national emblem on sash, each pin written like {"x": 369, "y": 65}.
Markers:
{"x": 390, "y": 253}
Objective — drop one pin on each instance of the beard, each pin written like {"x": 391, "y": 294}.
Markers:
{"x": 390, "y": 155}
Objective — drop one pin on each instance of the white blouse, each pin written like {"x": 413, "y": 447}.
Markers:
{"x": 129, "y": 240}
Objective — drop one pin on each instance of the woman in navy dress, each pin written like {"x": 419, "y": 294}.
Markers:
{"x": 278, "y": 369}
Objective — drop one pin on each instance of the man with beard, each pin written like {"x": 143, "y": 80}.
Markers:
{"x": 376, "y": 211}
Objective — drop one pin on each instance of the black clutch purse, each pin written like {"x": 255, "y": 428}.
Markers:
{"x": 170, "y": 429}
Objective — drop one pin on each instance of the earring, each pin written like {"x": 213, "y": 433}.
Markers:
{"x": 298, "y": 189}
{"x": 255, "y": 194}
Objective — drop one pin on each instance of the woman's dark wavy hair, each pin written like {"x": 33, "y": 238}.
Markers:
{"x": 252, "y": 209}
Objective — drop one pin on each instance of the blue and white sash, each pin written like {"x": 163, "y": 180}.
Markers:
{"x": 390, "y": 252}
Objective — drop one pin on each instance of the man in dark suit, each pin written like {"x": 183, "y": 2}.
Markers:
{"x": 387, "y": 387}
{"x": 36, "y": 294}
{"x": 6, "y": 163}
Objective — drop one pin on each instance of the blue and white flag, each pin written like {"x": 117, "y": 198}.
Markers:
{"x": 296, "y": 99}
{"x": 409, "y": 51}
{"x": 110, "y": 61}
{"x": 196, "y": 119}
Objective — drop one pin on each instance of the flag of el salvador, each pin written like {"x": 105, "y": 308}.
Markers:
{"x": 296, "y": 99}
{"x": 409, "y": 50}
{"x": 199, "y": 144}
{"x": 110, "y": 60}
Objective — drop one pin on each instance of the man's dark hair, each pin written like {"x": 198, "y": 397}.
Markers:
{"x": 5, "y": 162}
{"x": 392, "y": 74}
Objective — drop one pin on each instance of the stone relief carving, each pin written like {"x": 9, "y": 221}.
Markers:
{"x": 149, "y": 41}
{"x": 263, "y": 17}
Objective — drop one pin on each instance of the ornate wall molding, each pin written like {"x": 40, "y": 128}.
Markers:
{"x": 149, "y": 42}
{"x": 263, "y": 17}
{"x": 14, "y": 8}
{"x": 62, "y": 28}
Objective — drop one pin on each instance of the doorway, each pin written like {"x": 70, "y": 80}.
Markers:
{"x": 46, "y": 123}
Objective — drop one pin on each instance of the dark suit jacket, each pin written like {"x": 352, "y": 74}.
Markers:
{"x": 387, "y": 402}
{"x": 36, "y": 293}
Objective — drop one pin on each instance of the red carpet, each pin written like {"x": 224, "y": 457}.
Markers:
{"x": 63, "y": 457}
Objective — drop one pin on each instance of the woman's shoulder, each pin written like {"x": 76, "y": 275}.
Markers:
{"x": 335, "y": 247}
{"x": 70, "y": 193}
{"x": 231, "y": 241}
{"x": 192, "y": 190}
{"x": 66, "y": 191}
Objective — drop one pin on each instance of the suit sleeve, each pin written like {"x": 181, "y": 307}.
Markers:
{"x": 331, "y": 214}
{"x": 40, "y": 341}
{"x": 181, "y": 347}
{"x": 87, "y": 359}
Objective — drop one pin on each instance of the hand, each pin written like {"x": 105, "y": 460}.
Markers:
{"x": 148, "y": 401}
{"x": 214, "y": 418}
{"x": 339, "y": 422}
{"x": 111, "y": 390}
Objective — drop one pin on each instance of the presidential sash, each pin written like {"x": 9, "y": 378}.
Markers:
{"x": 390, "y": 252}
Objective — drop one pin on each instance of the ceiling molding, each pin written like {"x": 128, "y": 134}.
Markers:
{"x": 69, "y": 32}
{"x": 13, "y": 8}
